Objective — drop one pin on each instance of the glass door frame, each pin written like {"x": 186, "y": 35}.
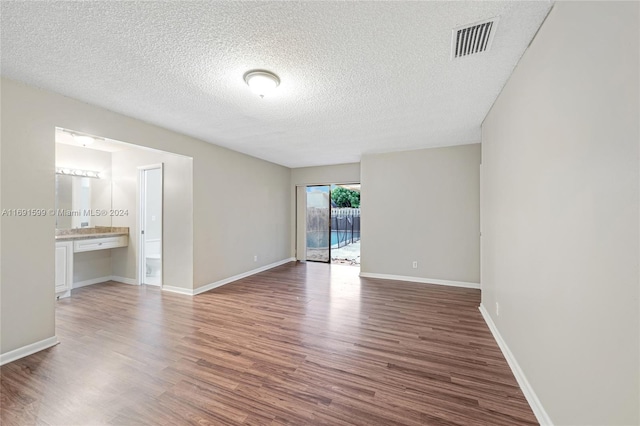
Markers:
{"x": 328, "y": 225}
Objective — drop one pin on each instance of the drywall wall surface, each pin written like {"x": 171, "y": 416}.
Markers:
{"x": 91, "y": 265}
{"x": 177, "y": 218}
{"x": 560, "y": 214}
{"x": 242, "y": 209}
{"x": 339, "y": 173}
{"x": 422, "y": 206}
{"x": 28, "y": 241}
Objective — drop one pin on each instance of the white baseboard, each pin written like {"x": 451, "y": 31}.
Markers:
{"x": 28, "y": 350}
{"x": 420, "y": 280}
{"x": 240, "y": 276}
{"x": 99, "y": 280}
{"x": 90, "y": 282}
{"x": 123, "y": 280}
{"x": 178, "y": 290}
{"x": 536, "y": 406}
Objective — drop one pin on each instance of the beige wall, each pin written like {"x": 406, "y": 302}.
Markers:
{"x": 177, "y": 214}
{"x": 339, "y": 173}
{"x": 422, "y": 205}
{"x": 241, "y": 204}
{"x": 27, "y": 169}
{"x": 91, "y": 265}
{"x": 560, "y": 214}
{"x": 2, "y": 134}
{"x": 241, "y": 210}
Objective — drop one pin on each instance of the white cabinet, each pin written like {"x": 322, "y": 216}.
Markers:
{"x": 64, "y": 256}
{"x": 100, "y": 243}
{"x": 64, "y": 268}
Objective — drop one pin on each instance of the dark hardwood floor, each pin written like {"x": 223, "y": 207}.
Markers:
{"x": 298, "y": 344}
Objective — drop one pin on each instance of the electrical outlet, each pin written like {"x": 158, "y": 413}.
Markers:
{"x": 497, "y": 309}
{"x": 415, "y": 264}
{"x": 255, "y": 258}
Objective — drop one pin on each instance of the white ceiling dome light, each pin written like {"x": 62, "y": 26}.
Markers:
{"x": 261, "y": 82}
{"x": 83, "y": 140}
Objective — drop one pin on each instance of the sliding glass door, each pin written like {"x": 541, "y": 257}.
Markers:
{"x": 319, "y": 223}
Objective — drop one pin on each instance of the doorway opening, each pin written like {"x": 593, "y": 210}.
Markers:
{"x": 345, "y": 224}
{"x": 150, "y": 214}
{"x": 329, "y": 223}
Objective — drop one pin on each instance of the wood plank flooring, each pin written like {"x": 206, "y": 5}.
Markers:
{"x": 299, "y": 344}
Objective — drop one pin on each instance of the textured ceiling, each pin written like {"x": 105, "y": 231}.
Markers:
{"x": 357, "y": 77}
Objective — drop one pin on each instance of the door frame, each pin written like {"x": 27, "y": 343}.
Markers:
{"x": 141, "y": 221}
{"x": 300, "y": 241}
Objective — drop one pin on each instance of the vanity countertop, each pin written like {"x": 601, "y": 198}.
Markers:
{"x": 90, "y": 233}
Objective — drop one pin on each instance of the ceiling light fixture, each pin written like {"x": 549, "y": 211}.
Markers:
{"x": 261, "y": 82}
{"x": 78, "y": 172}
{"x": 83, "y": 140}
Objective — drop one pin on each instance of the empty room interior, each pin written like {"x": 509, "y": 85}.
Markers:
{"x": 336, "y": 213}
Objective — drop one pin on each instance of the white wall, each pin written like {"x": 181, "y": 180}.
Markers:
{"x": 422, "y": 205}
{"x": 241, "y": 204}
{"x": 339, "y": 173}
{"x": 560, "y": 214}
{"x": 177, "y": 215}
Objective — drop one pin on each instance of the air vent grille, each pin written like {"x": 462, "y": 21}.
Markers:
{"x": 473, "y": 39}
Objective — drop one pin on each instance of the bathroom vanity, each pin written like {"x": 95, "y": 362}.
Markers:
{"x": 83, "y": 197}
{"x": 70, "y": 241}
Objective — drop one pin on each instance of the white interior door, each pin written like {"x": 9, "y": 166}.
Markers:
{"x": 150, "y": 214}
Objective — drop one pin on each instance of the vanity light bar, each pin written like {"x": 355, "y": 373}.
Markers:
{"x": 78, "y": 172}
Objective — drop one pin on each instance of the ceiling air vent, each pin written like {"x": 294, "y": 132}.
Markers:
{"x": 472, "y": 39}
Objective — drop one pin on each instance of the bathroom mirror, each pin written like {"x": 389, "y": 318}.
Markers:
{"x": 82, "y": 202}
